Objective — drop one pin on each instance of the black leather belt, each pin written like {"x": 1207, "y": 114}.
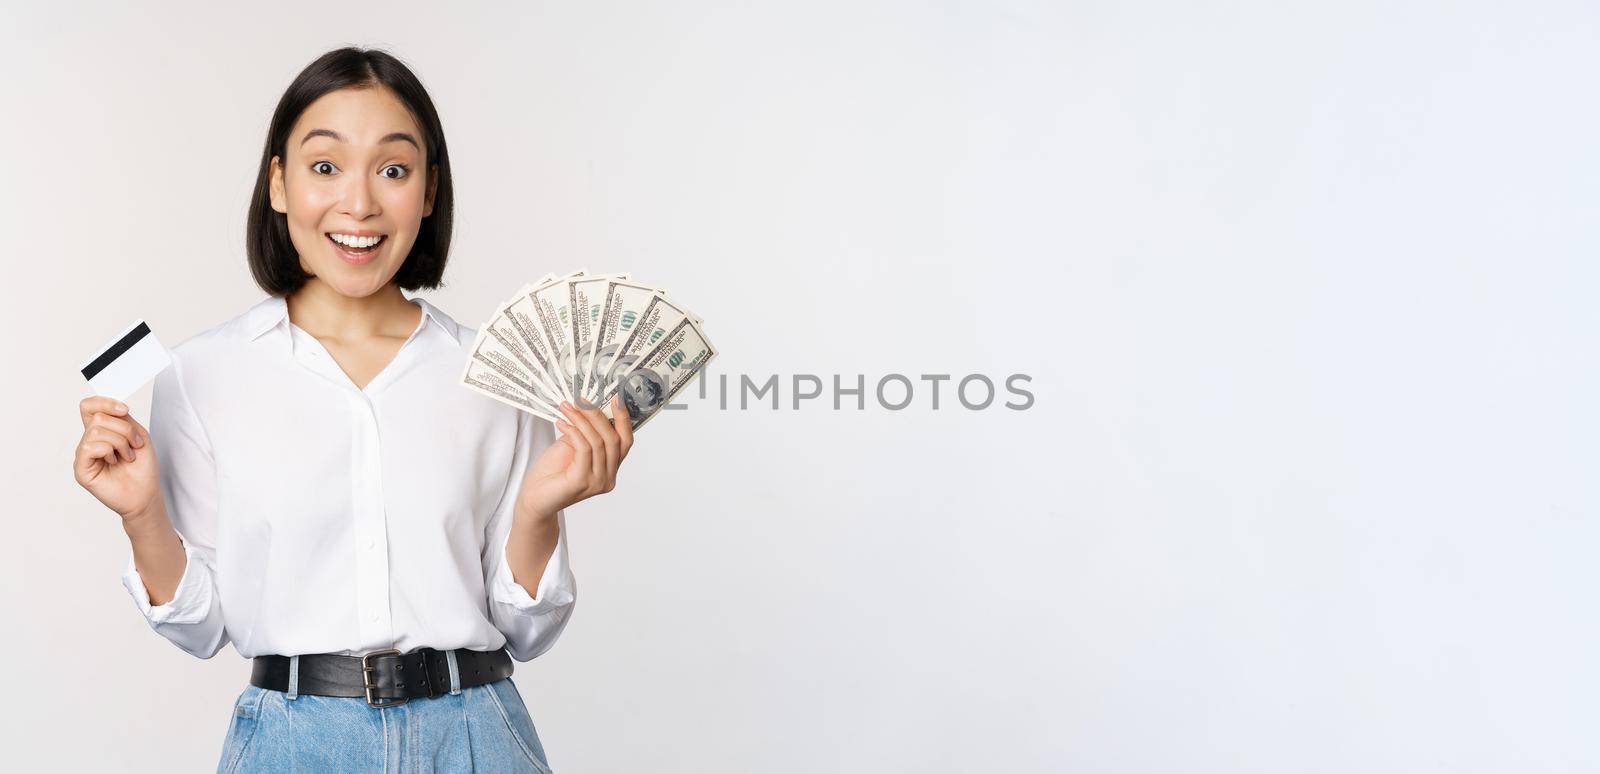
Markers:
{"x": 387, "y": 678}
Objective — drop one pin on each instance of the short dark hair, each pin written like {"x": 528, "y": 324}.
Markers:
{"x": 274, "y": 262}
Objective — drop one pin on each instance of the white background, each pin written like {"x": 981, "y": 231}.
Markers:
{"x": 1306, "y": 292}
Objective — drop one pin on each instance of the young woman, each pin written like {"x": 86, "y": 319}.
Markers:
{"x": 315, "y": 486}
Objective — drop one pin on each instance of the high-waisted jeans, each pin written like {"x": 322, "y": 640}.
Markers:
{"x": 483, "y": 728}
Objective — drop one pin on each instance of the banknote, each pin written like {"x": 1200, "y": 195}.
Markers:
{"x": 583, "y": 301}
{"x": 500, "y": 348}
{"x": 522, "y": 315}
{"x": 661, "y": 373}
{"x": 552, "y": 304}
{"x": 658, "y": 316}
{"x": 518, "y": 333}
{"x": 621, "y": 307}
{"x": 585, "y": 338}
{"x": 483, "y": 379}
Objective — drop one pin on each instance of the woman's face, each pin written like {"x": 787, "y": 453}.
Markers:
{"x": 355, "y": 172}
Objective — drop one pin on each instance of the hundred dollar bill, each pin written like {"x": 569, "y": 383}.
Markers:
{"x": 584, "y": 302}
{"x": 658, "y": 317}
{"x": 480, "y": 378}
{"x": 661, "y": 373}
{"x": 624, "y": 304}
{"x": 552, "y": 304}
{"x": 498, "y": 346}
{"x": 518, "y": 334}
{"x": 522, "y": 315}
{"x": 550, "y": 307}
{"x": 621, "y": 305}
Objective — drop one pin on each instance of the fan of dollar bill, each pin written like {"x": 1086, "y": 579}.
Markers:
{"x": 586, "y": 338}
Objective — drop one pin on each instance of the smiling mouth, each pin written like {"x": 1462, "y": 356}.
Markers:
{"x": 355, "y": 247}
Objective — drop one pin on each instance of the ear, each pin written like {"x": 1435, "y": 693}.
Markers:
{"x": 275, "y": 188}
{"x": 433, "y": 188}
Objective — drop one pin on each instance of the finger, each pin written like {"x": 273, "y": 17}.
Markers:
{"x": 100, "y": 450}
{"x": 93, "y": 453}
{"x": 608, "y": 436}
{"x": 143, "y": 433}
{"x": 121, "y": 447}
{"x": 598, "y": 463}
{"x": 608, "y": 440}
{"x": 88, "y": 406}
{"x": 563, "y": 437}
{"x": 580, "y": 459}
{"x": 121, "y": 427}
{"x": 595, "y": 460}
{"x": 121, "y": 444}
{"x": 624, "y": 423}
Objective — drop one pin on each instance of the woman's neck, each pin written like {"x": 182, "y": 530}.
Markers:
{"x": 328, "y": 314}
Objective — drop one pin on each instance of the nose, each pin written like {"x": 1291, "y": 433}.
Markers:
{"x": 356, "y": 199}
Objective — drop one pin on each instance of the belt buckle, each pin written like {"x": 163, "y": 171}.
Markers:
{"x": 367, "y": 669}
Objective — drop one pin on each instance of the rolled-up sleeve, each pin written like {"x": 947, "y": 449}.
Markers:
{"x": 533, "y": 622}
{"x": 192, "y": 619}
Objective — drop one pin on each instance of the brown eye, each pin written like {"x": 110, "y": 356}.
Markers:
{"x": 319, "y": 165}
{"x": 400, "y": 172}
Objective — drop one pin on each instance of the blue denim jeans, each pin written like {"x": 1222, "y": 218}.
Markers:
{"x": 480, "y": 728}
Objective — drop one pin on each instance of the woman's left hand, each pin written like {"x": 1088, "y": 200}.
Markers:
{"x": 581, "y": 463}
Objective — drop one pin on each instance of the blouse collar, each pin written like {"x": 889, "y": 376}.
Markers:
{"x": 273, "y": 312}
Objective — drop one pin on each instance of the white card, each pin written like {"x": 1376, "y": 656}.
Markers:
{"x": 127, "y": 362}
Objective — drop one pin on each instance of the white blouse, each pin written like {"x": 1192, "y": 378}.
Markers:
{"x": 322, "y": 518}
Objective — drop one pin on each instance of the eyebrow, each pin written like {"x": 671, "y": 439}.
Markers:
{"x": 390, "y": 137}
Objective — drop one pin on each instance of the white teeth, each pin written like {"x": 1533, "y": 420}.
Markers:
{"x": 355, "y": 241}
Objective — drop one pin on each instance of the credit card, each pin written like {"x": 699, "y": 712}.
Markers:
{"x": 124, "y": 365}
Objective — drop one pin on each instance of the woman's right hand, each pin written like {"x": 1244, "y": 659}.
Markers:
{"x": 114, "y": 459}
